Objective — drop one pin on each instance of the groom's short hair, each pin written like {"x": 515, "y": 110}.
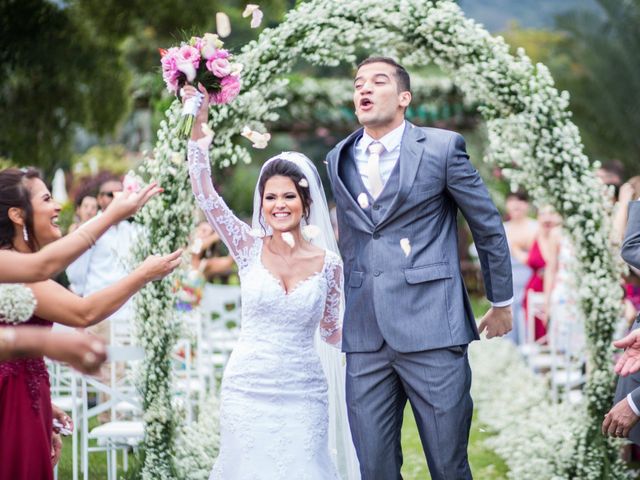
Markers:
{"x": 402, "y": 77}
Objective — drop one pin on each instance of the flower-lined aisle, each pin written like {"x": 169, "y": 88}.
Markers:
{"x": 531, "y": 137}
{"x": 535, "y": 437}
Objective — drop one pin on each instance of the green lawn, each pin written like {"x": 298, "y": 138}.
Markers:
{"x": 485, "y": 464}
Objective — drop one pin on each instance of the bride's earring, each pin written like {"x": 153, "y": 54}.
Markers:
{"x": 25, "y": 234}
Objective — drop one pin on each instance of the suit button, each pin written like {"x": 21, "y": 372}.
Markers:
{"x": 376, "y": 206}
{"x": 377, "y": 273}
{"x": 376, "y": 236}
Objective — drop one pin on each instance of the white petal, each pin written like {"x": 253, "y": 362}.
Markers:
{"x": 303, "y": 183}
{"x": 249, "y": 9}
{"x": 310, "y": 231}
{"x": 363, "y": 200}
{"x": 206, "y": 129}
{"x": 256, "y": 18}
{"x": 223, "y": 25}
{"x": 288, "y": 239}
{"x": 405, "y": 245}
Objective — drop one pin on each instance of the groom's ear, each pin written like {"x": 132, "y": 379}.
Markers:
{"x": 405, "y": 99}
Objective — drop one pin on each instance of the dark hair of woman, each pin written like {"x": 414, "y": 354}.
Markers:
{"x": 15, "y": 193}
{"x": 285, "y": 168}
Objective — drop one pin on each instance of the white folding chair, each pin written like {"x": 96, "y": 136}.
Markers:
{"x": 121, "y": 396}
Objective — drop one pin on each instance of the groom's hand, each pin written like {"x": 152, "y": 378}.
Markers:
{"x": 497, "y": 321}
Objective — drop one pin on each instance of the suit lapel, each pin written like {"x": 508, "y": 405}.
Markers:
{"x": 344, "y": 154}
{"x": 411, "y": 150}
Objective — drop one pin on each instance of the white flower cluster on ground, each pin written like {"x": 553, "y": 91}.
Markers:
{"x": 531, "y": 137}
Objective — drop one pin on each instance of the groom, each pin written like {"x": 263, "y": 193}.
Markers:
{"x": 408, "y": 319}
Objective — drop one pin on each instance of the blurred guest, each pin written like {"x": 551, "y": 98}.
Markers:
{"x": 28, "y": 221}
{"x": 611, "y": 173}
{"x": 86, "y": 209}
{"x": 102, "y": 265}
{"x": 622, "y": 419}
{"x": 562, "y": 308}
{"x": 206, "y": 254}
{"x": 521, "y": 232}
{"x": 548, "y": 219}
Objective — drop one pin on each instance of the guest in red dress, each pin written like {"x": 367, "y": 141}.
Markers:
{"x": 28, "y": 221}
{"x": 540, "y": 250}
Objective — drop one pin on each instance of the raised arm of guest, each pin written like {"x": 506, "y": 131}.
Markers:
{"x": 40, "y": 265}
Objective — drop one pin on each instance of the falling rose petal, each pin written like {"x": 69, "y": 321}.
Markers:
{"x": 206, "y": 130}
{"x": 405, "y": 245}
{"x": 256, "y": 18}
{"x": 303, "y": 183}
{"x": 223, "y": 25}
{"x": 259, "y": 140}
{"x": 310, "y": 231}
{"x": 249, "y": 9}
{"x": 363, "y": 200}
{"x": 288, "y": 239}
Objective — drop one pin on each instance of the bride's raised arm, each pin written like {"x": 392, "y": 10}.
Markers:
{"x": 331, "y": 323}
{"x": 234, "y": 232}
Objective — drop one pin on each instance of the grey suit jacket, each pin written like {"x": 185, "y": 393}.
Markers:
{"x": 415, "y": 302}
{"x": 631, "y": 245}
{"x": 631, "y": 255}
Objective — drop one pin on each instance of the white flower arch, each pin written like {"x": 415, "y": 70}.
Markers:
{"x": 531, "y": 137}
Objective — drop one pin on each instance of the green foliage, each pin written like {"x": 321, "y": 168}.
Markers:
{"x": 594, "y": 56}
{"x": 48, "y": 89}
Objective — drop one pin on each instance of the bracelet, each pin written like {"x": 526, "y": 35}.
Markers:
{"x": 7, "y": 339}
{"x": 91, "y": 240}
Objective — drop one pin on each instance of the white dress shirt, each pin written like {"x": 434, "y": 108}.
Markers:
{"x": 388, "y": 159}
{"x": 102, "y": 265}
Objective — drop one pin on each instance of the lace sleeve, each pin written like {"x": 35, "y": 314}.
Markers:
{"x": 235, "y": 234}
{"x": 331, "y": 323}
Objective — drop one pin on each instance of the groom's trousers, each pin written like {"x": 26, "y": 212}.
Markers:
{"x": 436, "y": 383}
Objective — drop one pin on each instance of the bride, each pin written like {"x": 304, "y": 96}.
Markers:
{"x": 279, "y": 417}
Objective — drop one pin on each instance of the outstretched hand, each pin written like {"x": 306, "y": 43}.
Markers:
{"x": 497, "y": 321}
{"x": 629, "y": 362}
{"x": 126, "y": 204}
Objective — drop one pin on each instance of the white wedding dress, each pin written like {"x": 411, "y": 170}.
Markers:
{"x": 274, "y": 403}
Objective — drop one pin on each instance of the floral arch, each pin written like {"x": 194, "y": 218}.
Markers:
{"x": 531, "y": 136}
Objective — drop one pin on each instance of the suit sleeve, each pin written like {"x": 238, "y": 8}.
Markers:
{"x": 631, "y": 245}
{"x": 467, "y": 189}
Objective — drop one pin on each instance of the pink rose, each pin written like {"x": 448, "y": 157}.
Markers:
{"x": 220, "y": 67}
{"x": 170, "y": 72}
{"x": 230, "y": 88}
{"x": 191, "y": 54}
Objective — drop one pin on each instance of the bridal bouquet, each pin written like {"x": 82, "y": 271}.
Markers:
{"x": 200, "y": 60}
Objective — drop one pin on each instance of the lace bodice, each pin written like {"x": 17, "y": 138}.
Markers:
{"x": 313, "y": 303}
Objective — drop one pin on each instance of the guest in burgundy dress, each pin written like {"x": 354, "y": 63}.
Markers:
{"x": 547, "y": 221}
{"x": 28, "y": 221}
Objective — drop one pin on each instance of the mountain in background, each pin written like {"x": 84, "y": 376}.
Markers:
{"x": 496, "y": 15}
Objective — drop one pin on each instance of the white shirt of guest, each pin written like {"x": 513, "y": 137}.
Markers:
{"x": 102, "y": 265}
{"x": 388, "y": 158}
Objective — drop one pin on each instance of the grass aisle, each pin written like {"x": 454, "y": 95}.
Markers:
{"x": 485, "y": 464}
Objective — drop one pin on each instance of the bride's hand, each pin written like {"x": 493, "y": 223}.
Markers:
{"x": 189, "y": 91}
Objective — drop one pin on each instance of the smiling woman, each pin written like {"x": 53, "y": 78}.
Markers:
{"x": 28, "y": 221}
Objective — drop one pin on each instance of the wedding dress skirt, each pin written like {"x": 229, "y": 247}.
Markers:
{"x": 274, "y": 406}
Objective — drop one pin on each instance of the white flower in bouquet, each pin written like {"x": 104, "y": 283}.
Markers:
{"x": 17, "y": 303}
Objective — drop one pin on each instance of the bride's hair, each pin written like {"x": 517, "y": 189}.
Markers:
{"x": 285, "y": 168}
{"x": 14, "y": 193}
